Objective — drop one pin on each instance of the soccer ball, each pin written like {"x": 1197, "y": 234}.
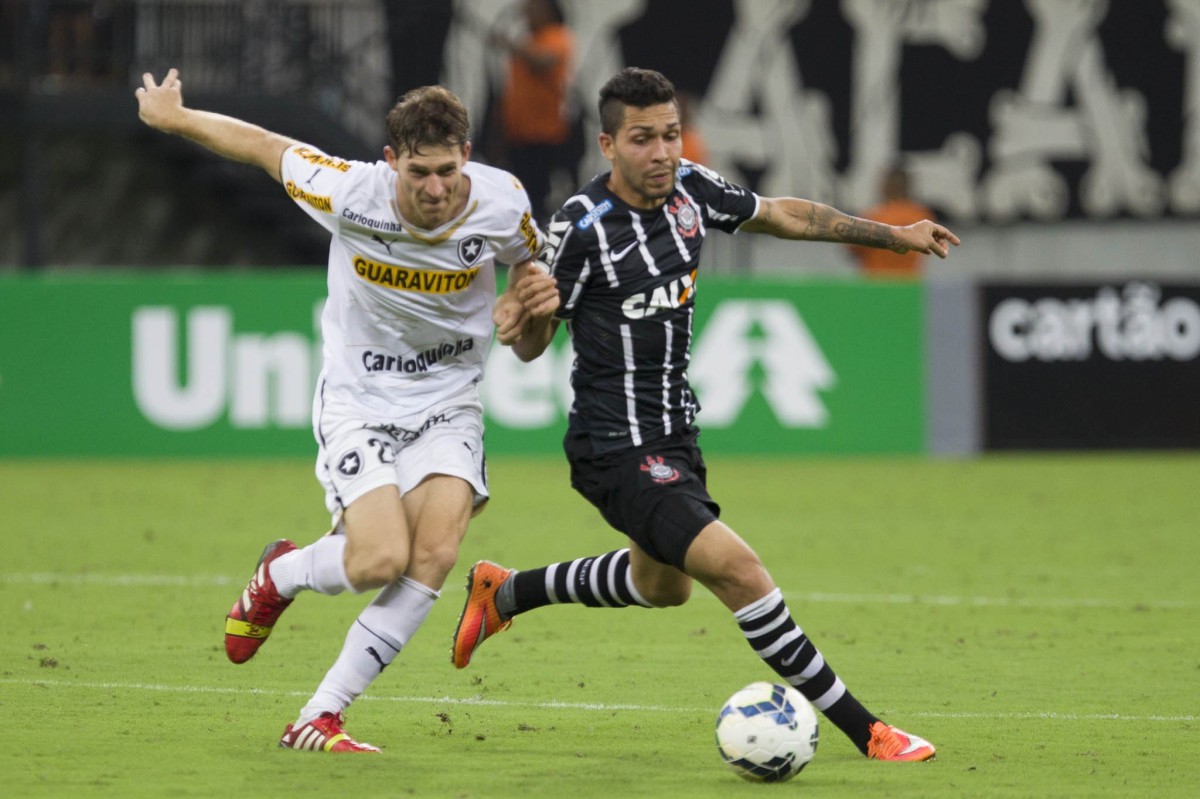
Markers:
{"x": 767, "y": 732}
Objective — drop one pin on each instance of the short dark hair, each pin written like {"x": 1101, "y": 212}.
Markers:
{"x": 428, "y": 116}
{"x": 640, "y": 88}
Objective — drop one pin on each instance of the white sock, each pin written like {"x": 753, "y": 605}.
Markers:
{"x": 320, "y": 567}
{"x": 374, "y": 640}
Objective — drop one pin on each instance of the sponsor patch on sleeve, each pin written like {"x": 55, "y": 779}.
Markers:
{"x": 529, "y": 231}
{"x": 318, "y": 158}
{"x": 589, "y": 219}
{"x": 320, "y": 202}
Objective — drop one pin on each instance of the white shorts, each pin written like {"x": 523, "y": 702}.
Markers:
{"x": 357, "y": 455}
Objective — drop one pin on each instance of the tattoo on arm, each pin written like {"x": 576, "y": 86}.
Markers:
{"x": 791, "y": 218}
{"x": 853, "y": 230}
{"x": 820, "y": 220}
{"x": 767, "y": 217}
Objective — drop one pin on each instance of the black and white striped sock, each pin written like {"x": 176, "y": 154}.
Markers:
{"x": 601, "y": 581}
{"x": 779, "y": 641}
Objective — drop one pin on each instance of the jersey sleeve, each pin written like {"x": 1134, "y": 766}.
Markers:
{"x": 521, "y": 239}
{"x": 725, "y": 204}
{"x": 524, "y": 241}
{"x": 313, "y": 180}
{"x": 565, "y": 257}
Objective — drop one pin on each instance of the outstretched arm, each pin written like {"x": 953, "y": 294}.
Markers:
{"x": 792, "y": 218}
{"x": 161, "y": 107}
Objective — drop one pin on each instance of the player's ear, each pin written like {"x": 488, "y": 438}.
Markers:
{"x": 607, "y": 145}
{"x": 466, "y": 151}
{"x": 390, "y": 155}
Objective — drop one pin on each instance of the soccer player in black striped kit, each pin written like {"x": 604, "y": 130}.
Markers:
{"x": 622, "y": 261}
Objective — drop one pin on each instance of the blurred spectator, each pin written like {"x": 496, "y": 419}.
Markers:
{"x": 897, "y": 208}
{"x": 695, "y": 148}
{"x": 535, "y": 114}
{"x": 70, "y": 38}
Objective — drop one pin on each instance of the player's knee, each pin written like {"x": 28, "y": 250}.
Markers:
{"x": 434, "y": 561}
{"x": 746, "y": 571}
{"x": 375, "y": 567}
{"x": 738, "y": 578}
{"x": 669, "y": 596}
{"x": 666, "y": 591}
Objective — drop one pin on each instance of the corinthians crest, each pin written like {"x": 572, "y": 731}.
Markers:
{"x": 659, "y": 472}
{"x": 686, "y": 221}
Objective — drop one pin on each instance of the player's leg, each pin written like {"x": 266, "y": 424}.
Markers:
{"x": 625, "y": 491}
{"x": 435, "y": 516}
{"x": 377, "y": 542}
{"x": 630, "y": 493}
{"x": 496, "y": 594}
{"x": 444, "y": 477}
{"x": 614, "y": 579}
{"x": 442, "y": 482}
{"x": 438, "y": 511}
{"x": 720, "y": 560}
{"x": 356, "y": 466}
{"x": 661, "y": 584}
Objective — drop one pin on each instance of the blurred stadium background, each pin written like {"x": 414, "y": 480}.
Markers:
{"x": 1060, "y": 140}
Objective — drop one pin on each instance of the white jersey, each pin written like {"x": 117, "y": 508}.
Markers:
{"x": 408, "y": 320}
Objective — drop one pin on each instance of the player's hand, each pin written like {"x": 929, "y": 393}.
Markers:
{"x": 926, "y": 236}
{"x": 538, "y": 293}
{"x": 533, "y": 296}
{"x": 511, "y": 319}
{"x": 161, "y": 105}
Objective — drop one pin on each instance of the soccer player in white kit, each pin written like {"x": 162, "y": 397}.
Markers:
{"x": 407, "y": 325}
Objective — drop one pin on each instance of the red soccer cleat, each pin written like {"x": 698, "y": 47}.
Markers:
{"x": 323, "y": 734}
{"x": 254, "y": 614}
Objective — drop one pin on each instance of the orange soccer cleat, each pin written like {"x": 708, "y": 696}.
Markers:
{"x": 479, "y": 617}
{"x": 892, "y": 743}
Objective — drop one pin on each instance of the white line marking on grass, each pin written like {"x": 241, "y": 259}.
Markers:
{"x": 1050, "y": 716}
{"x": 472, "y": 700}
{"x": 219, "y": 580}
{"x": 984, "y": 601}
{"x": 122, "y": 580}
{"x": 478, "y": 700}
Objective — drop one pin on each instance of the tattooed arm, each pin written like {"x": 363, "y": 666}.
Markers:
{"x": 792, "y": 218}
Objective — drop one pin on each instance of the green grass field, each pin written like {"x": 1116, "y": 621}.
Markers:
{"x": 1036, "y": 617}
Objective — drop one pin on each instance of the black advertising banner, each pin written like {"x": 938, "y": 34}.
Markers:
{"x": 1000, "y": 111}
{"x": 1091, "y": 366}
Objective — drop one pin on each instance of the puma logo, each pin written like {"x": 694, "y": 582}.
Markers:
{"x": 387, "y": 244}
{"x": 371, "y": 651}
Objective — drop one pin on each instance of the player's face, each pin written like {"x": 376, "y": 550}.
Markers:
{"x": 431, "y": 188}
{"x": 644, "y": 153}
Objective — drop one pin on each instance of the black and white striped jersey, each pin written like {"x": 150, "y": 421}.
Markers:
{"x": 627, "y": 284}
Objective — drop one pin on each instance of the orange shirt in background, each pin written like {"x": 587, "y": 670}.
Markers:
{"x": 879, "y": 262}
{"x": 534, "y": 108}
{"x": 695, "y": 148}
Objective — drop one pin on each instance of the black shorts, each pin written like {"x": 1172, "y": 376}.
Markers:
{"x": 656, "y": 493}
